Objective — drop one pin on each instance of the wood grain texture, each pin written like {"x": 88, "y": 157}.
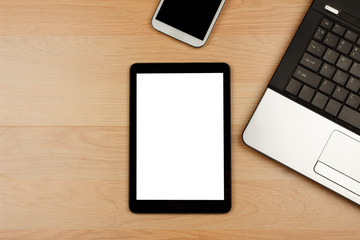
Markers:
{"x": 64, "y": 99}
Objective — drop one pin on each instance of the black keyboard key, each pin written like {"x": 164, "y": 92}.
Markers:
{"x": 353, "y": 101}
{"x": 294, "y": 87}
{"x": 355, "y": 70}
{"x": 319, "y": 34}
{"x": 340, "y": 94}
{"x": 327, "y": 87}
{"x": 316, "y": 48}
{"x": 311, "y": 62}
{"x": 355, "y": 53}
{"x": 320, "y": 100}
{"x": 344, "y": 63}
{"x": 350, "y": 116}
{"x": 327, "y": 70}
{"x": 353, "y": 84}
{"x": 327, "y": 24}
{"x": 350, "y": 35}
{"x": 331, "y": 40}
{"x": 333, "y": 107}
{"x": 339, "y": 29}
{"x": 344, "y": 47}
{"x": 307, "y": 77}
{"x": 340, "y": 77}
{"x": 306, "y": 93}
{"x": 331, "y": 56}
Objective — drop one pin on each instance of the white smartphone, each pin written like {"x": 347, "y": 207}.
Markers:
{"x": 189, "y": 21}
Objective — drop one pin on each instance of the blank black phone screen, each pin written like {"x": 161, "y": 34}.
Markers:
{"x": 193, "y": 17}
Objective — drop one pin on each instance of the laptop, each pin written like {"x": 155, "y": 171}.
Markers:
{"x": 308, "y": 118}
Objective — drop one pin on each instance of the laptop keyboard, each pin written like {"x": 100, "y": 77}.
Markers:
{"x": 328, "y": 75}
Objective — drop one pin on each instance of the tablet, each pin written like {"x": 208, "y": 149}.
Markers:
{"x": 180, "y": 138}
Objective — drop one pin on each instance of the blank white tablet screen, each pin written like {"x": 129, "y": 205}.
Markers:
{"x": 180, "y": 136}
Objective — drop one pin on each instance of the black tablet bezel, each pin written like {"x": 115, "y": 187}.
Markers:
{"x": 180, "y": 206}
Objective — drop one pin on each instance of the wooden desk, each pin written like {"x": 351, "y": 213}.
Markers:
{"x": 64, "y": 96}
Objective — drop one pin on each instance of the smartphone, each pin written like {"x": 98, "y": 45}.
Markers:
{"x": 189, "y": 21}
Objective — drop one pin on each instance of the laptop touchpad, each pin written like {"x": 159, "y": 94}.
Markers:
{"x": 340, "y": 161}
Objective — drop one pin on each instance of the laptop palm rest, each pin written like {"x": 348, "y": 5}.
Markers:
{"x": 340, "y": 162}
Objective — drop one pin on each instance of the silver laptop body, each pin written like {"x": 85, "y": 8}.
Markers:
{"x": 308, "y": 139}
